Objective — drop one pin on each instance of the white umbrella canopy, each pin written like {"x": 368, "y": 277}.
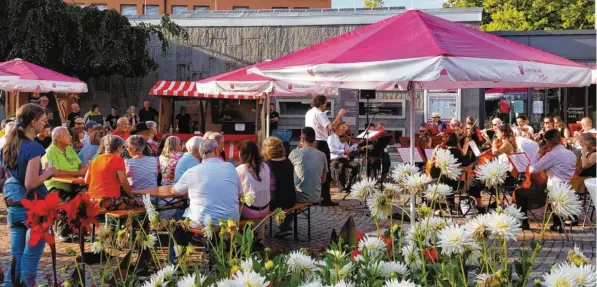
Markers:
{"x": 8, "y": 80}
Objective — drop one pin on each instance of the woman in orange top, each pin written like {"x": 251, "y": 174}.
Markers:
{"x": 107, "y": 174}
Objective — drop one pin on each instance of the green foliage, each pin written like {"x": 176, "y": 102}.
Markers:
{"x": 81, "y": 42}
{"x": 373, "y": 3}
{"x": 522, "y": 15}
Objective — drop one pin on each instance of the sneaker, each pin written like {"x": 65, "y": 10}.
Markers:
{"x": 283, "y": 233}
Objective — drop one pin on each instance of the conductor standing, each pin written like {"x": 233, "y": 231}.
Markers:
{"x": 318, "y": 120}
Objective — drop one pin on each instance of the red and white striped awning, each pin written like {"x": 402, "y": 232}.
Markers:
{"x": 189, "y": 89}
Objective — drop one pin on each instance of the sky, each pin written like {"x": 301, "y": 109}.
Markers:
{"x": 420, "y": 4}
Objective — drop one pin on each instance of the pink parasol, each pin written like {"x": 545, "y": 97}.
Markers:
{"x": 36, "y": 79}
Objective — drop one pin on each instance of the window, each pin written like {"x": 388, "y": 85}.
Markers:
{"x": 280, "y": 8}
{"x": 240, "y": 8}
{"x": 382, "y": 108}
{"x": 103, "y": 7}
{"x": 128, "y": 10}
{"x": 201, "y": 8}
{"x": 179, "y": 9}
{"x": 151, "y": 10}
{"x": 297, "y": 108}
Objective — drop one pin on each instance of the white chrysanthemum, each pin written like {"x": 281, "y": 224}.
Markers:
{"x": 249, "y": 279}
{"x": 437, "y": 191}
{"x": 226, "y": 283}
{"x": 454, "y": 239}
{"x": 343, "y": 283}
{"x": 447, "y": 163}
{"x": 179, "y": 250}
{"x": 584, "y": 276}
{"x": 577, "y": 257}
{"x": 434, "y": 223}
{"x": 403, "y": 170}
{"x": 564, "y": 201}
{"x": 337, "y": 255}
{"x": 515, "y": 212}
{"x": 97, "y": 247}
{"x": 359, "y": 258}
{"x": 557, "y": 278}
{"x": 153, "y": 281}
{"x": 503, "y": 225}
{"x": 362, "y": 189}
{"x": 485, "y": 279}
{"x": 416, "y": 183}
{"x": 166, "y": 272}
{"x": 299, "y": 262}
{"x": 473, "y": 258}
{"x": 248, "y": 198}
{"x": 149, "y": 241}
{"x": 312, "y": 284}
{"x": 372, "y": 246}
{"x": 344, "y": 271}
{"x": 477, "y": 227}
{"x": 492, "y": 173}
{"x": 389, "y": 268}
{"x": 187, "y": 281}
{"x": 412, "y": 256}
{"x": 149, "y": 208}
{"x": 208, "y": 226}
{"x": 416, "y": 233}
{"x": 401, "y": 283}
{"x": 391, "y": 190}
{"x": 246, "y": 265}
{"x": 380, "y": 206}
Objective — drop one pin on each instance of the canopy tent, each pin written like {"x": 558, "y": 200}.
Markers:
{"x": 417, "y": 49}
{"x": 496, "y": 94}
{"x": 8, "y": 80}
{"x": 36, "y": 79}
{"x": 189, "y": 89}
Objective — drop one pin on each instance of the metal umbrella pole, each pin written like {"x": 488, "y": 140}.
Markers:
{"x": 267, "y": 114}
{"x": 411, "y": 95}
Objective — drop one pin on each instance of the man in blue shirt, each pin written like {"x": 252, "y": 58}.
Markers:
{"x": 189, "y": 159}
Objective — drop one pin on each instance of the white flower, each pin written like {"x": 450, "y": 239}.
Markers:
{"x": 437, "y": 191}
{"x": 312, "y": 284}
{"x": 477, "y": 227}
{"x": 154, "y": 281}
{"x": 149, "y": 208}
{"x": 577, "y": 257}
{"x": 564, "y": 201}
{"x": 434, "y": 223}
{"x": 473, "y": 258}
{"x": 416, "y": 183}
{"x": 492, "y": 173}
{"x": 447, "y": 163}
{"x": 186, "y": 281}
{"x": 402, "y": 283}
{"x": 380, "y": 206}
{"x": 249, "y": 279}
{"x": 208, "y": 226}
{"x": 179, "y": 250}
{"x": 403, "y": 170}
{"x": 557, "y": 278}
{"x": 503, "y": 225}
{"x": 344, "y": 271}
{"x": 149, "y": 241}
{"x": 398, "y": 268}
{"x": 97, "y": 247}
{"x": 343, "y": 283}
{"x": 246, "y": 265}
{"x": 391, "y": 190}
{"x": 454, "y": 239}
{"x": 299, "y": 262}
{"x": 166, "y": 272}
{"x": 337, "y": 254}
{"x": 412, "y": 256}
{"x": 227, "y": 283}
{"x": 248, "y": 198}
{"x": 584, "y": 276}
{"x": 359, "y": 258}
{"x": 372, "y": 246}
{"x": 362, "y": 189}
{"x": 515, "y": 212}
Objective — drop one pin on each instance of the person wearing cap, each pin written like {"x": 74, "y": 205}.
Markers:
{"x": 437, "y": 123}
{"x": 143, "y": 130}
{"x": 88, "y": 127}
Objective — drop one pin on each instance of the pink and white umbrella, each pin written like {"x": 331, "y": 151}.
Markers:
{"x": 8, "y": 80}
{"x": 36, "y": 79}
{"x": 496, "y": 93}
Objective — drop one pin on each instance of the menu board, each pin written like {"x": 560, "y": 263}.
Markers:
{"x": 349, "y": 100}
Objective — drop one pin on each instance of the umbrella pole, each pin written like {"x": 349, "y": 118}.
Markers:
{"x": 411, "y": 96}
{"x": 266, "y": 110}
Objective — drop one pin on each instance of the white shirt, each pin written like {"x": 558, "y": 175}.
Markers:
{"x": 336, "y": 146}
{"x": 319, "y": 121}
{"x": 2, "y": 142}
{"x": 528, "y": 146}
{"x": 559, "y": 164}
{"x": 248, "y": 183}
{"x": 530, "y": 129}
{"x": 213, "y": 188}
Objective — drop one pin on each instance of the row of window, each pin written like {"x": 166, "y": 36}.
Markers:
{"x": 131, "y": 9}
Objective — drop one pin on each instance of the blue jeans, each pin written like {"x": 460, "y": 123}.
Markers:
{"x": 27, "y": 257}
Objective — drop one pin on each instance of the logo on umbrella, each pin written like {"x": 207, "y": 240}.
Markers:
{"x": 290, "y": 86}
{"x": 53, "y": 85}
{"x": 310, "y": 72}
{"x": 520, "y": 68}
{"x": 232, "y": 86}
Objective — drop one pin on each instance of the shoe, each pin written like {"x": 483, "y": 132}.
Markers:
{"x": 283, "y": 233}
{"x": 328, "y": 203}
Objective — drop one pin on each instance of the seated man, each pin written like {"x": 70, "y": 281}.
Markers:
{"x": 190, "y": 159}
{"x": 67, "y": 163}
{"x": 558, "y": 163}
{"x": 340, "y": 156}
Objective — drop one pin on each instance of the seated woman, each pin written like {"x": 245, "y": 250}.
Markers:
{"x": 141, "y": 171}
{"x": 78, "y": 135}
{"x": 89, "y": 151}
{"x": 169, "y": 159}
{"x": 588, "y": 158}
{"x": 254, "y": 177}
{"x": 281, "y": 179}
{"x": 106, "y": 177}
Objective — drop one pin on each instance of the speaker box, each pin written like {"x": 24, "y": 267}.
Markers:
{"x": 368, "y": 94}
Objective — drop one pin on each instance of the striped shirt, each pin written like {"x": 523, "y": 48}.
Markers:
{"x": 142, "y": 172}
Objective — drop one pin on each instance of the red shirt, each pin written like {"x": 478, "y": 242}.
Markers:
{"x": 102, "y": 178}
{"x": 123, "y": 136}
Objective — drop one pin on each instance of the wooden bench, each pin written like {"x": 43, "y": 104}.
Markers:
{"x": 116, "y": 215}
{"x": 303, "y": 208}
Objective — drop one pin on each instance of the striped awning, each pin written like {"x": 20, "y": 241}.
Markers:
{"x": 189, "y": 89}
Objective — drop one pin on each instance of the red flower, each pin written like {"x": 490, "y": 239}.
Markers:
{"x": 430, "y": 254}
{"x": 40, "y": 217}
{"x": 354, "y": 254}
{"x": 359, "y": 236}
{"x": 81, "y": 212}
{"x": 388, "y": 241}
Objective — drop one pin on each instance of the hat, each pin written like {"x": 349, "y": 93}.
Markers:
{"x": 91, "y": 124}
{"x": 140, "y": 127}
{"x": 435, "y": 115}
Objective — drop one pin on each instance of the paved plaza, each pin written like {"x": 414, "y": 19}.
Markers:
{"x": 324, "y": 220}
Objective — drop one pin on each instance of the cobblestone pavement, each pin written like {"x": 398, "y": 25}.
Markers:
{"x": 323, "y": 221}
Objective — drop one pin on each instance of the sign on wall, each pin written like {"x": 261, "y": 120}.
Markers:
{"x": 349, "y": 100}
{"x": 444, "y": 102}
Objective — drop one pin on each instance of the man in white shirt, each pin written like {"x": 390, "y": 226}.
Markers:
{"x": 525, "y": 143}
{"x": 339, "y": 154}
{"x": 318, "y": 120}
{"x": 523, "y": 122}
{"x": 559, "y": 165}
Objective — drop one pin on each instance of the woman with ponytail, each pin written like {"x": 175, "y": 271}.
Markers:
{"x": 21, "y": 158}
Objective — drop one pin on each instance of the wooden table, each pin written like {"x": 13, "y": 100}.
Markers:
{"x": 70, "y": 180}
{"x": 170, "y": 201}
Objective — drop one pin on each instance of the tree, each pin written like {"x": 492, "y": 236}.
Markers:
{"x": 521, "y": 15}
{"x": 81, "y": 42}
{"x": 373, "y": 3}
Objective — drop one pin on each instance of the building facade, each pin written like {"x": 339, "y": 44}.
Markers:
{"x": 157, "y": 7}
